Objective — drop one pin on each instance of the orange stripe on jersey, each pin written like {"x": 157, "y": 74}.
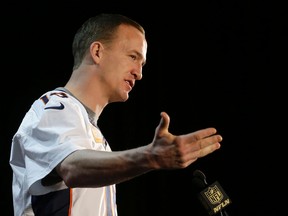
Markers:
{"x": 71, "y": 203}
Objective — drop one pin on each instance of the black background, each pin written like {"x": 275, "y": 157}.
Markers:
{"x": 214, "y": 63}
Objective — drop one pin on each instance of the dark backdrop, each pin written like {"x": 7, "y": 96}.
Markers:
{"x": 208, "y": 64}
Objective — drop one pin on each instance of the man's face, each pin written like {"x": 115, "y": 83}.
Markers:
{"x": 122, "y": 62}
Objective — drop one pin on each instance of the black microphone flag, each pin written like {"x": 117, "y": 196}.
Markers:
{"x": 212, "y": 197}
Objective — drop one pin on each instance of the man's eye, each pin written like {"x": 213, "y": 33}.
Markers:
{"x": 133, "y": 57}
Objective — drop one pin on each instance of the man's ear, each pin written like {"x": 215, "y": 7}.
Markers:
{"x": 95, "y": 51}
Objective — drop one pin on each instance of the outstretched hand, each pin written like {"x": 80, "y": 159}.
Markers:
{"x": 179, "y": 151}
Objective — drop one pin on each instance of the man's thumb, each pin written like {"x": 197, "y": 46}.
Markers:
{"x": 164, "y": 123}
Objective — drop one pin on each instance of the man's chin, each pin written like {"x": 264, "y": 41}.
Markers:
{"x": 121, "y": 99}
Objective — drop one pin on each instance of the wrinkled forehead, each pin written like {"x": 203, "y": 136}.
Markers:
{"x": 131, "y": 38}
{"x": 128, "y": 32}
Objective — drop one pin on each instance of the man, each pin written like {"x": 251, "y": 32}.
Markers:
{"x": 62, "y": 164}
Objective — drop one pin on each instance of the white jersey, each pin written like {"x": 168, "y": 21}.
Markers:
{"x": 56, "y": 125}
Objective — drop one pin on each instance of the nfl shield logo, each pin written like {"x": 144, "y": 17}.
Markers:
{"x": 214, "y": 195}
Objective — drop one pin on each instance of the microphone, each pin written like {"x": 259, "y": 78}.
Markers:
{"x": 212, "y": 197}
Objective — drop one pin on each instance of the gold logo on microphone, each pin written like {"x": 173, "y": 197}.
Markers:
{"x": 214, "y": 195}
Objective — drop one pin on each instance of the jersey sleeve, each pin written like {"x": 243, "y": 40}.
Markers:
{"x": 53, "y": 128}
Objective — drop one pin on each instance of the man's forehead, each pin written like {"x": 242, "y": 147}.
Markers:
{"x": 131, "y": 36}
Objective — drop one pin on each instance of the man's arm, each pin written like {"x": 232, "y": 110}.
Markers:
{"x": 90, "y": 168}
